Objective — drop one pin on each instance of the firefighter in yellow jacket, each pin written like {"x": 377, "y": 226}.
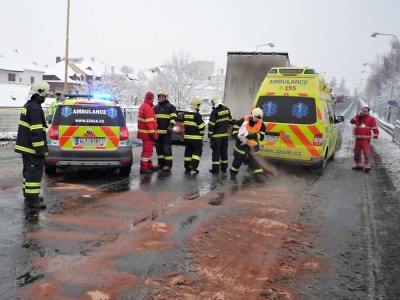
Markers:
{"x": 32, "y": 144}
{"x": 193, "y": 137}
{"x": 248, "y": 131}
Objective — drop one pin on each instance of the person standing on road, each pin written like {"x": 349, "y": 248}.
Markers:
{"x": 193, "y": 137}
{"x": 54, "y": 104}
{"x": 147, "y": 132}
{"x": 220, "y": 118}
{"x": 365, "y": 125}
{"x": 32, "y": 144}
{"x": 248, "y": 131}
{"x": 166, "y": 119}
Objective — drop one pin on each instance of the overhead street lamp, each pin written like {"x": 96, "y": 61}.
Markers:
{"x": 269, "y": 44}
{"x": 375, "y": 34}
{"x": 66, "y": 54}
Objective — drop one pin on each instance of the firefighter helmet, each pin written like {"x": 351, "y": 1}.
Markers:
{"x": 195, "y": 103}
{"x": 41, "y": 88}
{"x": 216, "y": 99}
{"x": 257, "y": 113}
{"x": 162, "y": 92}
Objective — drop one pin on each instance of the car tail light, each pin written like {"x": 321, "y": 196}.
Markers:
{"x": 318, "y": 139}
{"x": 52, "y": 133}
{"x": 123, "y": 134}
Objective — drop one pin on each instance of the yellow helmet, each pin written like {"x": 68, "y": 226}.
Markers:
{"x": 41, "y": 88}
{"x": 195, "y": 103}
{"x": 257, "y": 113}
{"x": 162, "y": 92}
{"x": 216, "y": 99}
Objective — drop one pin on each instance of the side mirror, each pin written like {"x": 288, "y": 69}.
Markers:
{"x": 339, "y": 119}
{"x": 49, "y": 118}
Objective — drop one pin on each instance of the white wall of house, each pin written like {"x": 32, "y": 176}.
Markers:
{"x": 27, "y": 75}
{"x": 4, "y": 76}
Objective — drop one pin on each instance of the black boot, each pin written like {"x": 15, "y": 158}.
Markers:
{"x": 233, "y": 174}
{"x": 191, "y": 168}
{"x": 214, "y": 171}
{"x": 35, "y": 203}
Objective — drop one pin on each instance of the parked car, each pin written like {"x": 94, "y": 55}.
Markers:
{"x": 178, "y": 130}
{"x": 87, "y": 133}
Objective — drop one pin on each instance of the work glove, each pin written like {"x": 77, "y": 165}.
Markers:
{"x": 169, "y": 128}
{"x": 153, "y": 137}
{"x": 251, "y": 136}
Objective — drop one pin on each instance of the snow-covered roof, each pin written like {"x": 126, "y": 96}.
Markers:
{"x": 146, "y": 75}
{"x": 9, "y": 60}
{"x": 14, "y": 94}
{"x": 58, "y": 70}
{"x": 95, "y": 68}
{"x": 12, "y": 60}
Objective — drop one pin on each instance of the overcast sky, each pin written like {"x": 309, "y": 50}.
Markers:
{"x": 330, "y": 36}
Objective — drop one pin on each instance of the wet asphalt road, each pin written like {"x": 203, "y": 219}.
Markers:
{"x": 179, "y": 236}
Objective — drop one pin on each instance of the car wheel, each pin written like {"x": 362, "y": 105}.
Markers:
{"x": 332, "y": 158}
{"x": 125, "y": 171}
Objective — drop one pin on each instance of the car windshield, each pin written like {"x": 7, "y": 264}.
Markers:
{"x": 90, "y": 115}
{"x": 286, "y": 109}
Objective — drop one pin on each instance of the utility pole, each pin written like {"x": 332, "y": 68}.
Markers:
{"x": 66, "y": 54}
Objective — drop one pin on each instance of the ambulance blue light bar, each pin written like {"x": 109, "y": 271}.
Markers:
{"x": 95, "y": 96}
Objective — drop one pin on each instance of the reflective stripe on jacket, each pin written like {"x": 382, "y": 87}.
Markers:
{"x": 194, "y": 126}
{"x": 218, "y": 123}
{"x": 166, "y": 116}
{"x": 147, "y": 123}
{"x": 31, "y": 136}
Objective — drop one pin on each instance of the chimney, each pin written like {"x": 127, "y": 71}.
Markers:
{"x": 58, "y": 59}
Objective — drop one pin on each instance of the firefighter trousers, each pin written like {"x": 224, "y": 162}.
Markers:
{"x": 219, "y": 148}
{"x": 193, "y": 152}
{"x": 251, "y": 159}
{"x": 164, "y": 150}
{"x": 32, "y": 173}
{"x": 147, "y": 153}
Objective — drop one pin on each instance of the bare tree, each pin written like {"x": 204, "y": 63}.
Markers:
{"x": 122, "y": 90}
{"x": 181, "y": 79}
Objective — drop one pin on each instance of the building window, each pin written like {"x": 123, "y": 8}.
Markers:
{"x": 32, "y": 79}
{"x": 11, "y": 77}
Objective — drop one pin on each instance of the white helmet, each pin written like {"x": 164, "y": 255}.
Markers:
{"x": 195, "y": 103}
{"x": 41, "y": 88}
{"x": 257, "y": 113}
{"x": 216, "y": 99}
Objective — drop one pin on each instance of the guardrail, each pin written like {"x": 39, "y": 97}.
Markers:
{"x": 396, "y": 133}
{"x": 9, "y": 119}
{"x": 389, "y": 128}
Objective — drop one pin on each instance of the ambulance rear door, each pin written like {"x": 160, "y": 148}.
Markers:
{"x": 290, "y": 127}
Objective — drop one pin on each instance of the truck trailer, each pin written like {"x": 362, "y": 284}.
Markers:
{"x": 245, "y": 71}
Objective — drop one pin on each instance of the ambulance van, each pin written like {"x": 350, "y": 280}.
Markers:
{"x": 299, "y": 117}
{"x": 88, "y": 132}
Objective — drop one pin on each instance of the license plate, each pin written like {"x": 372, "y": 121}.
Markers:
{"x": 271, "y": 138}
{"x": 90, "y": 141}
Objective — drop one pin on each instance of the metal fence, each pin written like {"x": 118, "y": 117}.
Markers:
{"x": 396, "y": 133}
{"x": 9, "y": 119}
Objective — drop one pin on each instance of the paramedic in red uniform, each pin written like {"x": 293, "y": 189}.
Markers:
{"x": 365, "y": 129}
{"x": 147, "y": 132}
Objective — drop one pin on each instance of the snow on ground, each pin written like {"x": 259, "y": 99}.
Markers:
{"x": 390, "y": 155}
